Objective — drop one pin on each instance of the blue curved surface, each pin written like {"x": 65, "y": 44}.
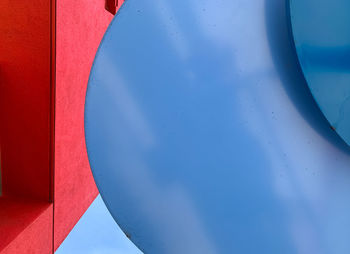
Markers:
{"x": 203, "y": 136}
{"x": 322, "y": 38}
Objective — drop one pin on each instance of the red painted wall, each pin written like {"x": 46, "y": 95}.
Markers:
{"x": 46, "y": 52}
{"x": 25, "y": 101}
{"x": 27, "y": 227}
{"x": 80, "y": 28}
{"x": 26, "y": 104}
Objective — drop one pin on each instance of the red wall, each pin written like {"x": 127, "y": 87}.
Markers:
{"x": 80, "y": 27}
{"x": 27, "y": 228}
{"x": 25, "y": 127}
{"x": 25, "y": 101}
{"x": 46, "y": 52}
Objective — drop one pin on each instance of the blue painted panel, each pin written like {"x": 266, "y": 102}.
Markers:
{"x": 203, "y": 136}
{"x": 322, "y": 38}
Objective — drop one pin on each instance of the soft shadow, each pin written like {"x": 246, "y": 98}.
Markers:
{"x": 284, "y": 57}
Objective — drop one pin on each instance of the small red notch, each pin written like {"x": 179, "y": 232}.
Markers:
{"x": 111, "y": 6}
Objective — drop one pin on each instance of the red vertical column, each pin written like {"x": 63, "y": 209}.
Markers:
{"x": 25, "y": 115}
{"x": 80, "y": 27}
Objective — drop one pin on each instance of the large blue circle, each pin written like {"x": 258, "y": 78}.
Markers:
{"x": 203, "y": 136}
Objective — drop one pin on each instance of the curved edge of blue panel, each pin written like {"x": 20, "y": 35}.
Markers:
{"x": 85, "y": 135}
{"x": 296, "y": 41}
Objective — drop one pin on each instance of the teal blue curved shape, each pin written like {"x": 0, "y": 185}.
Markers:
{"x": 321, "y": 31}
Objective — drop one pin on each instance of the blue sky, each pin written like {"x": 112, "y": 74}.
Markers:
{"x": 97, "y": 233}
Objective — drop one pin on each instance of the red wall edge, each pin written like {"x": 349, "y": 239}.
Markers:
{"x": 79, "y": 29}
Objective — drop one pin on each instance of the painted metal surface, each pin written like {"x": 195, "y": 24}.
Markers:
{"x": 203, "y": 136}
{"x": 322, "y": 39}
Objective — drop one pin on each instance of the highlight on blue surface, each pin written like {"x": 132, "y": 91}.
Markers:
{"x": 203, "y": 136}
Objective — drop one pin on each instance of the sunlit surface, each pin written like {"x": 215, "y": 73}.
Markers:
{"x": 203, "y": 136}
{"x": 321, "y": 31}
{"x": 97, "y": 233}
